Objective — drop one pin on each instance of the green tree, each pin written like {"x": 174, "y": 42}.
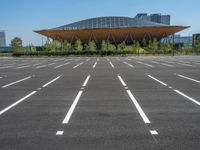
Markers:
{"x": 52, "y": 46}
{"x": 122, "y": 46}
{"x": 16, "y": 43}
{"x": 137, "y": 47}
{"x": 78, "y": 45}
{"x": 31, "y": 48}
{"x": 110, "y": 47}
{"x": 153, "y": 46}
{"x": 67, "y": 46}
{"x": 197, "y": 45}
{"x": 92, "y": 46}
{"x": 167, "y": 48}
{"x": 103, "y": 45}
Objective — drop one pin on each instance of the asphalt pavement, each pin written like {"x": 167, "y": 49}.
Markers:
{"x": 100, "y": 103}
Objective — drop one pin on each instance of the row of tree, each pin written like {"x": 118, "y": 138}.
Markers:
{"x": 152, "y": 47}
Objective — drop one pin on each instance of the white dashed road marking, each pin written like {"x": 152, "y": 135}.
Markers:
{"x": 142, "y": 114}
{"x": 78, "y": 65}
{"x": 156, "y": 80}
{"x": 69, "y": 114}
{"x": 59, "y": 132}
{"x": 61, "y": 65}
{"x": 111, "y": 64}
{"x": 182, "y": 76}
{"x": 17, "y": 82}
{"x": 190, "y": 98}
{"x": 51, "y": 81}
{"x": 17, "y": 102}
{"x": 94, "y": 64}
{"x": 153, "y": 132}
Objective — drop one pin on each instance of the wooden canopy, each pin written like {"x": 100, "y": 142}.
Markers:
{"x": 113, "y": 35}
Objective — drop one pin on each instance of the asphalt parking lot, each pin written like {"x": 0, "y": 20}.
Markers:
{"x": 111, "y": 103}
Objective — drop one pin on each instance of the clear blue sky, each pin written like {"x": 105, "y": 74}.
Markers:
{"x": 21, "y": 17}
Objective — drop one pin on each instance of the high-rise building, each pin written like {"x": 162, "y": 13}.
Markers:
{"x": 2, "y": 39}
{"x": 158, "y": 18}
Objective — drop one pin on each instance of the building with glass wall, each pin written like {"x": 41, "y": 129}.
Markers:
{"x": 2, "y": 39}
{"x": 158, "y": 18}
{"x": 114, "y": 29}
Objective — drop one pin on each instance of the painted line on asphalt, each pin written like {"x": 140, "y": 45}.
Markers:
{"x": 121, "y": 80}
{"x": 6, "y": 67}
{"x": 17, "y": 102}
{"x": 185, "y": 64}
{"x": 45, "y": 85}
{"x": 78, "y": 65}
{"x": 73, "y": 106}
{"x": 38, "y": 67}
{"x": 188, "y": 97}
{"x": 141, "y": 112}
{"x": 153, "y": 132}
{"x": 182, "y": 76}
{"x": 86, "y": 81}
{"x": 69, "y": 113}
{"x": 21, "y": 67}
{"x": 156, "y": 80}
{"x": 112, "y": 64}
{"x": 61, "y": 65}
{"x": 138, "y": 107}
{"x": 59, "y": 132}
{"x": 168, "y": 65}
{"x": 18, "y": 81}
{"x": 37, "y": 64}
{"x": 149, "y": 65}
{"x": 139, "y": 62}
{"x": 129, "y": 64}
{"x": 94, "y": 64}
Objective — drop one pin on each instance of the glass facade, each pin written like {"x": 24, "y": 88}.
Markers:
{"x": 2, "y": 39}
{"x": 109, "y": 22}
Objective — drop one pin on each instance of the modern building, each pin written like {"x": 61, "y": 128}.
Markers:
{"x": 114, "y": 29}
{"x": 183, "y": 41}
{"x": 2, "y": 39}
{"x": 158, "y": 18}
{"x": 194, "y": 38}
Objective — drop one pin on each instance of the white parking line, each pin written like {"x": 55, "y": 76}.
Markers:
{"x": 6, "y": 67}
{"x": 94, "y": 64}
{"x": 141, "y": 112}
{"x": 86, "y": 81}
{"x": 17, "y": 102}
{"x": 128, "y": 64}
{"x": 69, "y": 113}
{"x": 17, "y": 81}
{"x": 21, "y": 67}
{"x": 61, "y": 65}
{"x": 38, "y": 67}
{"x": 51, "y": 81}
{"x": 156, "y": 80}
{"x": 168, "y": 65}
{"x": 185, "y": 64}
{"x": 190, "y": 98}
{"x": 37, "y": 64}
{"x": 78, "y": 65}
{"x": 149, "y": 65}
{"x": 121, "y": 80}
{"x": 153, "y": 132}
{"x": 112, "y": 64}
{"x": 59, "y": 132}
{"x": 188, "y": 78}
{"x": 139, "y": 62}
